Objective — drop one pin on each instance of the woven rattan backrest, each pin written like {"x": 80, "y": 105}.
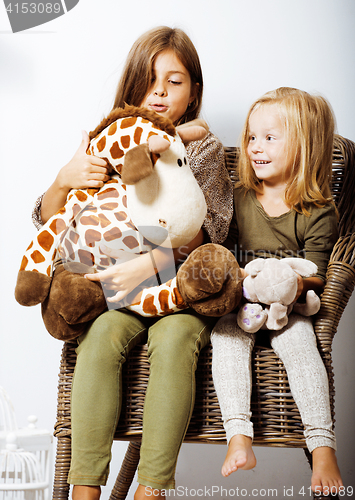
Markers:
{"x": 343, "y": 183}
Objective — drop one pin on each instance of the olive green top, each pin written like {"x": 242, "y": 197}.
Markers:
{"x": 254, "y": 233}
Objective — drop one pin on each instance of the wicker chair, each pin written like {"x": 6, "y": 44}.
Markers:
{"x": 276, "y": 418}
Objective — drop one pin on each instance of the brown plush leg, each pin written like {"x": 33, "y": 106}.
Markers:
{"x": 209, "y": 280}
{"x": 32, "y": 287}
{"x": 75, "y": 298}
{"x": 57, "y": 327}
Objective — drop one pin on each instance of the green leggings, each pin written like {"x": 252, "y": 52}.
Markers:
{"x": 174, "y": 344}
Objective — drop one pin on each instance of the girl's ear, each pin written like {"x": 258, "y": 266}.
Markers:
{"x": 194, "y": 92}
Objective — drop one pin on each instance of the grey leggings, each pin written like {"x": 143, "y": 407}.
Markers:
{"x": 296, "y": 346}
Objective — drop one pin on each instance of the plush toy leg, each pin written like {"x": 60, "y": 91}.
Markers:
{"x": 153, "y": 301}
{"x": 310, "y": 307}
{"x": 277, "y": 316}
{"x": 57, "y": 327}
{"x": 251, "y": 317}
{"x": 74, "y": 298}
{"x": 31, "y": 288}
{"x": 209, "y": 280}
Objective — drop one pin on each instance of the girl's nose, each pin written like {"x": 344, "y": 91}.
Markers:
{"x": 160, "y": 92}
{"x": 256, "y": 147}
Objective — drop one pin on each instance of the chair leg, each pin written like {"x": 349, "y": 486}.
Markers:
{"x": 320, "y": 497}
{"x": 126, "y": 474}
{"x": 62, "y": 465}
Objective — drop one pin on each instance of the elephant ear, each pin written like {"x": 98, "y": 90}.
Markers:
{"x": 137, "y": 164}
{"x": 303, "y": 267}
{"x": 254, "y": 267}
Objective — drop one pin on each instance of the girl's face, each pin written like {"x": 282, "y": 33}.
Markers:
{"x": 267, "y": 145}
{"x": 171, "y": 90}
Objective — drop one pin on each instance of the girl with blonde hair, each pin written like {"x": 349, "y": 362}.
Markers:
{"x": 163, "y": 74}
{"x": 282, "y": 207}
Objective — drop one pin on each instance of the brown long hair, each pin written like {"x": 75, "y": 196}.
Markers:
{"x": 309, "y": 125}
{"x": 137, "y": 73}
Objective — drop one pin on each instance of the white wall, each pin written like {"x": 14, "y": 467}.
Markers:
{"x": 60, "y": 77}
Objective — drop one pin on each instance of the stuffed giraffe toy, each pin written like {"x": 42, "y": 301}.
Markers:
{"x": 151, "y": 199}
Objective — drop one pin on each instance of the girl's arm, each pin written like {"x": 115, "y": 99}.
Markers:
{"x": 305, "y": 284}
{"x": 320, "y": 235}
{"x": 125, "y": 277}
{"x": 82, "y": 171}
{"x": 206, "y": 159}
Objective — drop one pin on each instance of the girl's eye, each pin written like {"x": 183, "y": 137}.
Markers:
{"x": 270, "y": 138}
{"x": 252, "y": 138}
{"x": 174, "y": 82}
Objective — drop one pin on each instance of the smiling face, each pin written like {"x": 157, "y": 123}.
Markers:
{"x": 171, "y": 91}
{"x": 267, "y": 149}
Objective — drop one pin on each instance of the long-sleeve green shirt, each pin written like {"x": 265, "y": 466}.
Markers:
{"x": 255, "y": 234}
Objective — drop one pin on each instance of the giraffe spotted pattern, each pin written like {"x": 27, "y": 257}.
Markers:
{"x": 94, "y": 224}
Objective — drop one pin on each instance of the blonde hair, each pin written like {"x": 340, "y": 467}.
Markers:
{"x": 309, "y": 125}
{"x": 137, "y": 74}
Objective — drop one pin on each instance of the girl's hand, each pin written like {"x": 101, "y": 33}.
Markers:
{"x": 300, "y": 286}
{"x": 123, "y": 278}
{"x": 305, "y": 284}
{"x": 83, "y": 170}
{"x": 242, "y": 274}
{"x": 131, "y": 270}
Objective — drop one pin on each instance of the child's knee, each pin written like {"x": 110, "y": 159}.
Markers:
{"x": 109, "y": 336}
{"x": 227, "y": 334}
{"x": 181, "y": 341}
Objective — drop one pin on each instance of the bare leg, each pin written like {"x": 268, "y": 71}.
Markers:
{"x": 143, "y": 492}
{"x": 240, "y": 455}
{"x": 86, "y": 492}
{"x": 326, "y": 476}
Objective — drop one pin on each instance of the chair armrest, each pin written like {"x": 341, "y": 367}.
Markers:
{"x": 340, "y": 282}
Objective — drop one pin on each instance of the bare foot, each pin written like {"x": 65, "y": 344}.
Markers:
{"x": 86, "y": 492}
{"x": 240, "y": 455}
{"x": 143, "y": 492}
{"x": 326, "y": 476}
